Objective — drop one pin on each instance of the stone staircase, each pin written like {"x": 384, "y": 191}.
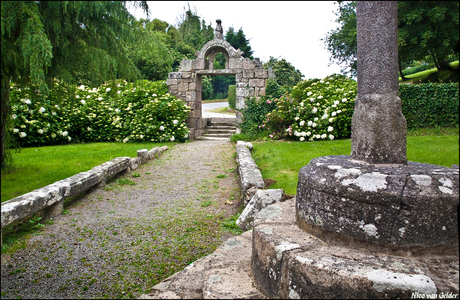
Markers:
{"x": 219, "y": 129}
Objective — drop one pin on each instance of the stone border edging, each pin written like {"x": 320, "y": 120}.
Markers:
{"x": 250, "y": 176}
{"x": 49, "y": 200}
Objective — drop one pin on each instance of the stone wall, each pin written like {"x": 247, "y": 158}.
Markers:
{"x": 49, "y": 200}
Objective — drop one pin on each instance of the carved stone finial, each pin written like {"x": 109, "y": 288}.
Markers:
{"x": 219, "y": 32}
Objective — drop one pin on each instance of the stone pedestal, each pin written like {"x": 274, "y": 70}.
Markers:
{"x": 403, "y": 210}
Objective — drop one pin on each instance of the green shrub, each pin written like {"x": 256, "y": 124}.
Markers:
{"x": 206, "y": 88}
{"x": 315, "y": 110}
{"x": 232, "y": 96}
{"x": 430, "y": 104}
{"x": 254, "y": 114}
{"x": 417, "y": 69}
{"x": 115, "y": 111}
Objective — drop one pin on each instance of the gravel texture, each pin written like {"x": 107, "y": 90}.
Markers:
{"x": 120, "y": 240}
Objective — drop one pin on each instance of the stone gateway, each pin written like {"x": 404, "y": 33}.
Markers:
{"x": 250, "y": 77}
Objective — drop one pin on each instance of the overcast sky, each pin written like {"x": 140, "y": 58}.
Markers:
{"x": 282, "y": 29}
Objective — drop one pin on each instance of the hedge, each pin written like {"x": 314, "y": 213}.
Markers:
{"x": 232, "y": 96}
{"x": 430, "y": 104}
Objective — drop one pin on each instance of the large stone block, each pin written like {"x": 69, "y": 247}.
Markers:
{"x": 235, "y": 63}
{"x": 171, "y": 82}
{"x": 23, "y": 206}
{"x": 260, "y": 200}
{"x": 342, "y": 273}
{"x": 198, "y": 64}
{"x": 388, "y": 207}
{"x": 143, "y": 155}
{"x": 248, "y": 64}
{"x": 250, "y": 175}
{"x": 175, "y": 75}
{"x": 186, "y": 65}
{"x": 183, "y": 87}
{"x": 270, "y": 246}
{"x": 248, "y": 74}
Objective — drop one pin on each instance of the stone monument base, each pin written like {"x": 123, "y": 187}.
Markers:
{"x": 290, "y": 263}
{"x": 396, "y": 209}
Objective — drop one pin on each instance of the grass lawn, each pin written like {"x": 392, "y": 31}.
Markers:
{"x": 282, "y": 160}
{"x": 37, "y": 167}
{"x": 423, "y": 74}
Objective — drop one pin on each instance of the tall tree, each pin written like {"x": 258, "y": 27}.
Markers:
{"x": 193, "y": 31}
{"x": 71, "y": 40}
{"x": 238, "y": 41}
{"x": 342, "y": 42}
{"x": 152, "y": 52}
{"x": 286, "y": 74}
{"x": 425, "y": 28}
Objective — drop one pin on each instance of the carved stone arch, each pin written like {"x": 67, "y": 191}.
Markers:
{"x": 210, "y": 55}
{"x": 250, "y": 78}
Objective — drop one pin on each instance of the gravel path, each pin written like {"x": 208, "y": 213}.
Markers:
{"x": 119, "y": 241}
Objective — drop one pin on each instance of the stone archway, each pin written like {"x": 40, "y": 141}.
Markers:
{"x": 250, "y": 77}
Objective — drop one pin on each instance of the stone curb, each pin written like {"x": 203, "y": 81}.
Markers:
{"x": 50, "y": 199}
{"x": 250, "y": 176}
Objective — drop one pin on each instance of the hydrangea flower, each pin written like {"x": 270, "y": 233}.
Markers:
{"x": 330, "y": 129}
{"x": 41, "y": 110}
{"x": 15, "y": 130}
{"x": 172, "y": 139}
{"x": 302, "y": 139}
{"x": 22, "y": 134}
{"x": 83, "y": 102}
{"x": 175, "y": 122}
{"x": 302, "y": 123}
{"x": 40, "y": 131}
{"x": 331, "y": 137}
{"x": 107, "y": 90}
{"x": 310, "y": 123}
{"x": 162, "y": 128}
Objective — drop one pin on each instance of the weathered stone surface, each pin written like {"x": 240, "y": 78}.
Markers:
{"x": 23, "y": 206}
{"x": 378, "y": 125}
{"x": 341, "y": 273}
{"x": 112, "y": 167}
{"x": 403, "y": 207}
{"x": 143, "y": 155}
{"x": 250, "y": 175}
{"x": 186, "y": 65}
{"x": 260, "y": 200}
{"x": 282, "y": 212}
{"x": 175, "y": 75}
{"x": 270, "y": 245}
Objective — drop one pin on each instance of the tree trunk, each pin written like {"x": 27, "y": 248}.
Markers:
{"x": 5, "y": 97}
{"x": 435, "y": 61}
{"x": 400, "y": 71}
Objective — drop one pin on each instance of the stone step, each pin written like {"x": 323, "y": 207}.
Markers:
{"x": 207, "y": 138}
{"x": 212, "y": 124}
{"x": 217, "y": 134}
{"x": 226, "y": 131}
{"x": 222, "y": 127}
